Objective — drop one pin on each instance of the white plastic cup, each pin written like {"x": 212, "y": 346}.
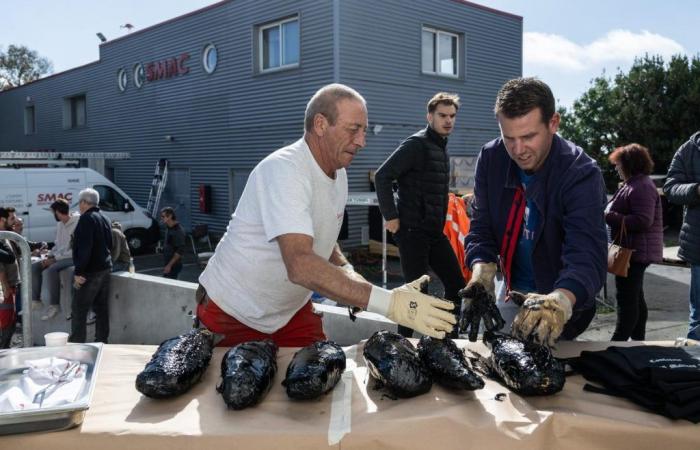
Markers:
{"x": 56, "y": 339}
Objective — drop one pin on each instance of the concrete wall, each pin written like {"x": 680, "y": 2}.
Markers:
{"x": 144, "y": 309}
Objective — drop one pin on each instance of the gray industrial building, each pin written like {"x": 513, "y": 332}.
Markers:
{"x": 216, "y": 90}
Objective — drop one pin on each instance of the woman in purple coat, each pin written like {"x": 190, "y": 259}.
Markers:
{"x": 638, "y": 205}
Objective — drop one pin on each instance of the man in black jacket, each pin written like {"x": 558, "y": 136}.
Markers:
{"x": 421, "y": 166}
{"x": 682, "y": 187}
{"x": 92, "y": 241}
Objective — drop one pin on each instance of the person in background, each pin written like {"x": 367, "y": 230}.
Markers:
{"x": 637, "y": 205}
{"x": 46, "y": 283}
{"x": 421, "y": 167}
{"x": 173, "y": 244}
{"x": 121, "y": 255}
{"x": 281, "y": 242}
{"x": 682, "y": 187}
{"x": 9, "y": 279}
{"x": 36, "y": 249}
{"x": 538, "y": 210}
{"x": 92, "y": 241}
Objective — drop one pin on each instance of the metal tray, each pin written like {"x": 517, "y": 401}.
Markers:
{"x": 12, "y": 364}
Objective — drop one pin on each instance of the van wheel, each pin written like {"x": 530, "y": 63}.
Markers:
{"x": 136, "y": 240}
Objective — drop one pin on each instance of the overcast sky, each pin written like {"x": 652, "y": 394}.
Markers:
{"x": 565, "y": 42}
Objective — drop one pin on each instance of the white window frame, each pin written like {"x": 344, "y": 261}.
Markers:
{"x": 122, "y": 80}
{"x": 205, "y": 53}
{"x": 436, "y": 52}
{"x": 139, "y": 79}
{"x": 277, "y": 24}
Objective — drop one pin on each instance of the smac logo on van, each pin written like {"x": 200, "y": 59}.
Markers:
{"x": 47, "y": 199}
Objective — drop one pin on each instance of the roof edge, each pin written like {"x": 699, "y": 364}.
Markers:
{"x": 51, "y": 76}
{"x": 489, "y": 9}
{"x": 165, "y": 22}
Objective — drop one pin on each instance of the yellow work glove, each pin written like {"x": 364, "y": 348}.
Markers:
{"x": 408, "y": 306}
{"x": 479, "y": 301}
{"x": 542, "y": 317}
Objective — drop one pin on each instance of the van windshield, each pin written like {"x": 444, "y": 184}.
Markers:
{"x": 110, "y": 200}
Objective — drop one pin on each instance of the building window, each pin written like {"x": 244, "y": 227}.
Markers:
{"x": 29, "y": 120}
{"x": 279, "y": 44}
{"x": 122, "y": 79}
{"x": 440, "y": 52}
{"x": 210, "y": 58}
{"x": 139, "y": 75}
{"x": 74, "y": 111}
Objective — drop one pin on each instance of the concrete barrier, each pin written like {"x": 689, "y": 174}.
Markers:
{"x": 145, "y": 309}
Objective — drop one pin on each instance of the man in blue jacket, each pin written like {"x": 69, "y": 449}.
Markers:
{"x": 538, "y": 211}
{"x": 92, "y": 241}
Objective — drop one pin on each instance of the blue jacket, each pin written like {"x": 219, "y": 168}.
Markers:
{"x": 570, "y": 247}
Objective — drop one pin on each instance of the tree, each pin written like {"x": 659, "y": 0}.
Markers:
{"x": 654, "y": 104}
{"x": 20, "y": 65}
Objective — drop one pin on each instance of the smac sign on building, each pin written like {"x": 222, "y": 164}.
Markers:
{"x": 167, "y": 68}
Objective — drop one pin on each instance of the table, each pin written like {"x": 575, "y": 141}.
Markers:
{"x": 370, "y": 199}
{"x": 121, "y": 418}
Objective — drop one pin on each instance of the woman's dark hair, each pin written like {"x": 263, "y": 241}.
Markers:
{"x": 633, "y": 158}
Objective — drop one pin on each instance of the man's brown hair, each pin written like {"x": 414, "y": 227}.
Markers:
{"x": 443, "y": 98}
{"x": 519, "y": 96}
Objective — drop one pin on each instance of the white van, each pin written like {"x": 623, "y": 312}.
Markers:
{"x": 31, "y": 192}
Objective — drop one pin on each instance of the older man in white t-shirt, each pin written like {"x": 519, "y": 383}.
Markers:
{"x": 280, "y": 244}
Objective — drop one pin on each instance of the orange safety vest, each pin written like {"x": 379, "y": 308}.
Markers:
{"x": 456, "y": 229}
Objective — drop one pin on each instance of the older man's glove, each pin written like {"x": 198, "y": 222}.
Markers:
{"x": 542, "y": 317}
{"x": 408, "y": 306}
{"x": 479, "y": 302}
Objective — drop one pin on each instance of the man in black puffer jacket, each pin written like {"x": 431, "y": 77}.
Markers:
{"x": 421, "y": 166}
{"x": 683, "y": 188}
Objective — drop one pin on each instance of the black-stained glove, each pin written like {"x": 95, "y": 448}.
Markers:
{"x": 477, "y": 305}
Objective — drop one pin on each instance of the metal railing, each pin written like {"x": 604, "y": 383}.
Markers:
{"x": 25, "y": 273}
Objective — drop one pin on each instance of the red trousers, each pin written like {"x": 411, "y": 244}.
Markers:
{"x": 304, "y": 328}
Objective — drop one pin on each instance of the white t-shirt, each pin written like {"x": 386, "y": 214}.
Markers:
{"x": 286, "y": 193}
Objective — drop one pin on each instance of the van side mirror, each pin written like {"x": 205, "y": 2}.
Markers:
{"x": 128, "y": 207}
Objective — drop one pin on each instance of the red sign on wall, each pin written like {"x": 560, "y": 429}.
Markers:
{"x": 167, "y": 68}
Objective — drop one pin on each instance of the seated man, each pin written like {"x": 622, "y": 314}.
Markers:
{"x": 45, "y": 273}
{"x": 121, "y": 255}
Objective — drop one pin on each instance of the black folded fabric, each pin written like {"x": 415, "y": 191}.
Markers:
{"x": 665, "y": 380}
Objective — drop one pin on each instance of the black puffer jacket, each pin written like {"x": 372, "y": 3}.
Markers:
{"x": 682, "y": 188}
{"x": 421, "y": 166}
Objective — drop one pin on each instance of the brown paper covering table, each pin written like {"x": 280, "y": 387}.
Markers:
{"x": 121, "y": 418}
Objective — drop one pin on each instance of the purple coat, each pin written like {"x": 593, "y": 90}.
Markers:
{"x": 638, "y": 202}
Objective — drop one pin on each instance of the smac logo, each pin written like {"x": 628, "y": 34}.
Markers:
{"x": 167, "y": 68}
{"x": 48, "y": 198}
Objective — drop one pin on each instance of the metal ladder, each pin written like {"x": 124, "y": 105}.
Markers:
{"x": 160, "y": 178}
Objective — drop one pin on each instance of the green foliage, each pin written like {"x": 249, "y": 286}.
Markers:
{"x": 20, "y": 65}
{"x": 654, "y": 104}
